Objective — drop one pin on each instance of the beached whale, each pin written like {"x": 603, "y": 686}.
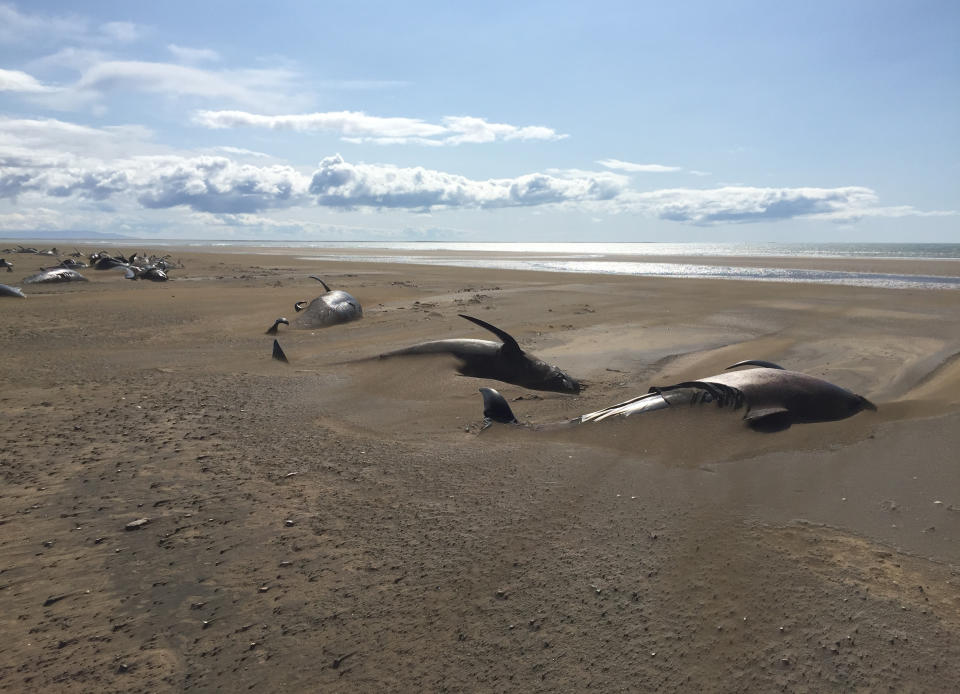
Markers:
{"x": 331, "y": 308}
{"x": 502, "y": 361}
{"x": 152, "y": 273}
{"x": 773, "y": 398}
{"x": 7, "y": 264}
{"x": 55, "y": 275}
{"x": 15, "y": 292}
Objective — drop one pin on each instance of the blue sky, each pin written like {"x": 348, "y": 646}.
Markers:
{"x": 535, "y": 121}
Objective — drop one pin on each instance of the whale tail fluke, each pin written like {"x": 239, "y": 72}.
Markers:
{"x": 278, "y": 353}
{"x": 495, "y": 408}
{"x": 272, "y": 330}
{"x": 325, "y": 287}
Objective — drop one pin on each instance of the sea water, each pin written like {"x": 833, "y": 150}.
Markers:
{"x": 613, "y": 258}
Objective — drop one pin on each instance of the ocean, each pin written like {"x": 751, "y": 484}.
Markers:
{"x": 617, "y": 258}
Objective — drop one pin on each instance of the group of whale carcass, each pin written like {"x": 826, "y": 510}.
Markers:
{"x": 772, "y": 398}
{"x": 135, "y": 267}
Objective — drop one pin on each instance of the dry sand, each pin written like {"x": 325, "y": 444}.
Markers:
{"x": 331, "y": 526}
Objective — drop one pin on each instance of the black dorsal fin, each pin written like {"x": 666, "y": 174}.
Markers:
{"x": 278, "y": 353}
{"x": 325, "y": 287}
{"x": 755, "y": 362}
{"x": 509, "y": 344}
{"x": 495, "y": 407}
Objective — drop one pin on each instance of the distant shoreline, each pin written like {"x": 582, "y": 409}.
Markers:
{"x": 770, "y": 249}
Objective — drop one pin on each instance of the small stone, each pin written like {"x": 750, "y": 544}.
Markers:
{"x": 263, "y": 589}
{"x": 289, "y": 523}
{"x": 122, "y": 667}
{"x": 284, "y": 564}
{"x": 137, "y": 524}
{"x": 197, "y": 605}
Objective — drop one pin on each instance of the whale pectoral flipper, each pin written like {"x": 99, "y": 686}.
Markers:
{"x": 769, "y": 420}
{"x": 510, "y": 345}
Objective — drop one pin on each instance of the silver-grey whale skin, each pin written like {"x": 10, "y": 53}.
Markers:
{"x": 773, "y": 398}
{"x": 55, "y": 275}
{"x": 501, "y": 361}
{"x": 13, "y": 292}
{"x": 331, "y": 308}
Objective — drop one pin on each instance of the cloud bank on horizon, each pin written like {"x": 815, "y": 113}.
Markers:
{"x": 116, "y": 124}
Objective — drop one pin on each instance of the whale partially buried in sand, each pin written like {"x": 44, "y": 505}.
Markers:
{"x": 501, "y": 361}
{"x": 14, "y": 292}
{"x": 55, "y": 275}
{"x": 773, "y": 399}
{"x": 331, "y": 308}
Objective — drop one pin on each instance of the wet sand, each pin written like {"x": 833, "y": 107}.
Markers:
{"x": 344, "y": 525}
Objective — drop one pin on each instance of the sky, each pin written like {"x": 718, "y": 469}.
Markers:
{"x": 503, "y": 121}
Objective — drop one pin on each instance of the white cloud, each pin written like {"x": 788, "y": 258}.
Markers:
{"x": 98, "y": 77}
{"x": 241, "y": 152}
{"x": 738, "y": 204}
{"x": 193, "y": 55}
{"x": 337, "y": 183}
{"x": 51, "y": 160}
{"x": 19, "y": 28}
{"x": 618, "y": 165}
{"x": 69, "y": 57}
{"x": 56, "y": 141}
{"x": 167, "y": 78}
{"x": 34, "y": 218}
{"x": 358, "y": 127}
{"x": 16, "y": 81}
{"x": 121, "y": 32}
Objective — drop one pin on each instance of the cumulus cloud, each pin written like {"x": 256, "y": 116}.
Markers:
{"x": 205, "y": 184}
{"x": 17, "y": 81}
{"x": 218, "y": 185}
{"x": 739, "y": 204}
{"x": 630, "y": 167}
{"x": 337, "y": 183}
{"x": 358, "y": 127}
{"x": 55, "y": 160}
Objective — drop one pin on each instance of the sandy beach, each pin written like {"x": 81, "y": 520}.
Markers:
{"x": 339, "y": 524}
